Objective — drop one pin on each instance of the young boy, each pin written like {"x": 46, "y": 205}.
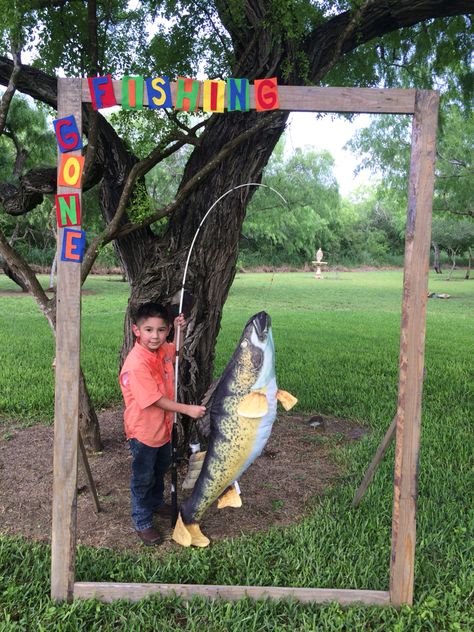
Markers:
{"x": 147, "y": 383}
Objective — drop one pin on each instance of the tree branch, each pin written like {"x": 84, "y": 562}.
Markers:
{"x": 93, "y": 134}
{"x": 197, "y": 178}
{"x": 11, "y": 88}
{"x": 28, "y": 278}
{"x": 348, "y": 31}
{"x": 21, "y": 154}
{"x": 174, "y": 118}
{"x": 138, "y": 170}
{"x": 31, "y": 81}
{"x": 375, "y": 18}
{"x": 112, "y": 231}
{"x": 22, "y": 198}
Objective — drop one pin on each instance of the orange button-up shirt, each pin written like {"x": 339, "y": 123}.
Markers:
{"x": 146, "y": 377}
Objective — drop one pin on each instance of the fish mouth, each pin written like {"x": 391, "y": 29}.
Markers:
{"x": 262, "y": 323}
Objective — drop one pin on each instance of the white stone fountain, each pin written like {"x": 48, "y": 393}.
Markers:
{"x": 319, "y": 263}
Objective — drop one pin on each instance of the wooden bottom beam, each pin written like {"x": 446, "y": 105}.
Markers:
{"x": 108, "y": 592}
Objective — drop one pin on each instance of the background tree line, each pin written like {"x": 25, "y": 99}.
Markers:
{"x": 364, "y": 228}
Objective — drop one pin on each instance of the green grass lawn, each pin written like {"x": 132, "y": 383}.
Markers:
{"x": 337, "y": 345}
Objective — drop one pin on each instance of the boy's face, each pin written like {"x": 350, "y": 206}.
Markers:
{"x": 151, "y": 333}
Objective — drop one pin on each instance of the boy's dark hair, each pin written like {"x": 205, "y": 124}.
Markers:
{"x": 150, "y": 310}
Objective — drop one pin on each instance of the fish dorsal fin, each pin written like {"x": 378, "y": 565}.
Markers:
{"x": 287, "y": 400}
{"x": 204, "y": 424}
{"x": 253, "y": 405}
{"x": 209, "y": 393}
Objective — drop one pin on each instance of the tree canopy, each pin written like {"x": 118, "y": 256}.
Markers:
{"x": 427, "y": 43}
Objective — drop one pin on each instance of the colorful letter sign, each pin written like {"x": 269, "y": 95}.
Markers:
{"x": 74, "y": 243}
{"x": 132, "y": 93}
{"x": 213, "y": 96}
{"x": 68, "y": 209}
{"x": 238, "y": 97}
{"x": 67, "y": 134}
{"x": 102, "y": 92}
{"x": 159, "y": 93}
{"x": 70, "y": 171}
{"x": 187, "y": 94}
{"x": 266, "y": 94}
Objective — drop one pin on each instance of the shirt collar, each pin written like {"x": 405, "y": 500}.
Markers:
{"x": 146, "y": 354}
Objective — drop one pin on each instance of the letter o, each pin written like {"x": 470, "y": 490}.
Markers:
{"x": 71, "y": 171}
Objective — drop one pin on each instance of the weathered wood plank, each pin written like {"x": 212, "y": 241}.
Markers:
{"x": 133, "y": 592}
{"x": 66, "y": 407}
{"x": 88, "y": 473}
{"x": 381, "y": 450}
{"x": 316, "y": 99}
{"x": 412, "y": 343}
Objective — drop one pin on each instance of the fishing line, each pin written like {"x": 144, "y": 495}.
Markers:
{"x": 174, "y": 478}
{"x": 268, "y": 290}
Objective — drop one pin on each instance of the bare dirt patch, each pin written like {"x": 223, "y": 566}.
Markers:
{"x": 296, "y": 465}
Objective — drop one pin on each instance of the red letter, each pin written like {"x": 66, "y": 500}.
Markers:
{"x": 102, "y": 92}
{"x": 266, "y": 94}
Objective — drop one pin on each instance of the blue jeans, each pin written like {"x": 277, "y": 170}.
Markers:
{"x": 147, "y": 485}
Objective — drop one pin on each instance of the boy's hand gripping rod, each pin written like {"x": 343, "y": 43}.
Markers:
{"x": 174, "y": 432}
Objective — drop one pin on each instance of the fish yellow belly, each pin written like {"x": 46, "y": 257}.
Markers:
{"x": 231, "y": 457}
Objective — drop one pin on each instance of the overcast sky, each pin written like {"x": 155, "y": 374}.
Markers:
{"x": 330, "y": 133}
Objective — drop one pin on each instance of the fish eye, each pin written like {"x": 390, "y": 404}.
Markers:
{"x": 244, "y": 344}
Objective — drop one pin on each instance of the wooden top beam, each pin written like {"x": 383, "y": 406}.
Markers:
{"x": 316, "y": 99}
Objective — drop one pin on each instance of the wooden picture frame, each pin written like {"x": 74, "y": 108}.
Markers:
{"x": 423, "y": 106}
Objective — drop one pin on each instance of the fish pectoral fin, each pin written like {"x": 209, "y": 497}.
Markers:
{"x": 287, "y": 400}
{"x": 253, "y": 405}
{"x": 230, "y": 498}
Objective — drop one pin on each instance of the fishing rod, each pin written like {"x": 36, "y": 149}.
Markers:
{"x": 174, "y": 432}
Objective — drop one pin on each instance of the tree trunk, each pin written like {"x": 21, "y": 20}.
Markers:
{"x": 436, "y": 262}
{"x": 213, "y": 262}
{"x": 469, "y": 261}
{"x": 88, "y": 422}
{"x": 10, "y": 273}
{"x": 52, "y": 273}
{"x": 453, "y": 260}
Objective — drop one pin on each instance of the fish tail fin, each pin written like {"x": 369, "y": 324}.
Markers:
{"x": 180, "y": 534}
{"x": 189, "y": 534}
{"x": 196, "y": 461}
{"x": 230, "y": 498}
{"x": 287, "y": 400}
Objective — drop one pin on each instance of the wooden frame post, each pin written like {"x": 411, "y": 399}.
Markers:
{"x": 66, "y": 405}
{"x": 412, "y": 344}
{"x": 424, "y": 106}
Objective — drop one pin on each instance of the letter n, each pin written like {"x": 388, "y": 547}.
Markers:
{"x": 238, "y": 94}
{"x": 68, "y": 209}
